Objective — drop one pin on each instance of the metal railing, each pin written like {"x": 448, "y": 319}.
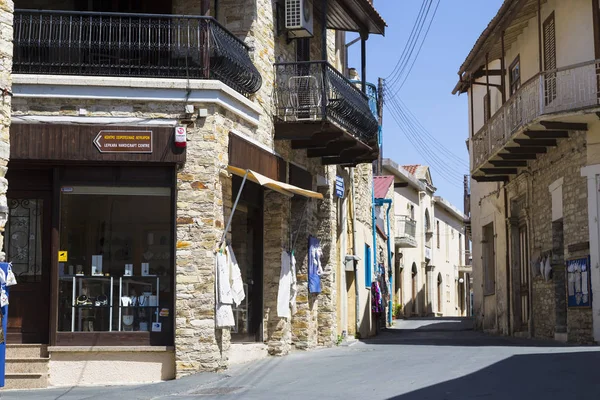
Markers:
{"x": 316, "y": 91}
{"x": 406, "y": 226}
{"x": 571, "y": 88}
{"x": 132, "y": 45}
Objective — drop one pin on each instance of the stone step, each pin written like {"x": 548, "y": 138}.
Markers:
{"x": 26, "y": 381}
{"x": 26, "y": 351}
{"x": 27, "y": 365}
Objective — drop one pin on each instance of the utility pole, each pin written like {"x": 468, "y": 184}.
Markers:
{"x": 379, "y": 165}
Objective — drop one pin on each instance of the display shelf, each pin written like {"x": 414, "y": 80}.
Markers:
{"x": 147, "y": 290}
{"x": 77, "y": 317}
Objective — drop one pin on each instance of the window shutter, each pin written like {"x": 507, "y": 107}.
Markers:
{"x": 549, "y": 59}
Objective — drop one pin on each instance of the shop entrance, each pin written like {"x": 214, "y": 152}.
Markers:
{"x": 247, "y": 244}
{"x": 27, "y": 245}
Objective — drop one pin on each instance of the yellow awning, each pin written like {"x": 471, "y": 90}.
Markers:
{"x": 280, "y": 187}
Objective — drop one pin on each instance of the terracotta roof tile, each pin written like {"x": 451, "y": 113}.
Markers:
{"x": 381, "y": 185}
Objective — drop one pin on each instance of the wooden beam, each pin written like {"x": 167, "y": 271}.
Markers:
{"x": 497, "y": 86}
{"x": 536, "y": 142}
{"x": 508, "y": 163}
{"x": 569, "y": 126}
{"x": 400, "y": 185}
{"x": 526, "y": 150}
{"x": 332, "y": 149}
{"x": 509, "y": 156}
{"x": 495, "y": 178}
{"x": 348, "y": 157}
{"x": 499, "y": 171}
{"x": 547, "y": 134}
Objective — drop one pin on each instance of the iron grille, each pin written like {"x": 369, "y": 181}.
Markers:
{"x": 134, "y": 45}
{"x": 316, "y": 91}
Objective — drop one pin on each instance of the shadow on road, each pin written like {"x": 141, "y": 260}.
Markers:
{"x": 558, "y": 376}
{"x": 450, "y": 332}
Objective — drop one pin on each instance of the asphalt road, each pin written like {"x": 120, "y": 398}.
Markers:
{"x": 439, "y": 359}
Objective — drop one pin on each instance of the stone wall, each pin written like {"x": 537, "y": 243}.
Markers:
{"x": 6, "y": 52}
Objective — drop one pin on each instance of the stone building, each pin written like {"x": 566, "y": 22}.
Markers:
{"x": 429, "y": 276}
{"x": 136, "y": 128}
{"x": 531, "y": 79}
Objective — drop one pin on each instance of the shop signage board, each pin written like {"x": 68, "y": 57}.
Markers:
{"x": 125, "y": 141}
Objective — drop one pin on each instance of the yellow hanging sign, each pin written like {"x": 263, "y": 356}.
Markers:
{"x": 62, "y": 256}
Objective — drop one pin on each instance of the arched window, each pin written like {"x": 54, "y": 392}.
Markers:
{"x": 427, "y": 222}
{"x": 412, "y": 212}
{"x": 437, "y": 228}
{"x": 414, "y": 287}
{"x": 439, "y": 292}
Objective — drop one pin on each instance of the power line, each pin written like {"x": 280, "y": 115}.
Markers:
{"x": 409, "y": 41}
{"x": 457, "y": 160}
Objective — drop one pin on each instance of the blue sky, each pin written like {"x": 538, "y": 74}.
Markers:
{"x": 427, "y": 90}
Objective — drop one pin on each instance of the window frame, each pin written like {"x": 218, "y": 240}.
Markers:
{"x": 514, "y": 84}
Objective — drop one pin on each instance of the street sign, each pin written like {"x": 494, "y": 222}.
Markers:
{"x": 124, "y": 141}
{"x": 339, "y": 186}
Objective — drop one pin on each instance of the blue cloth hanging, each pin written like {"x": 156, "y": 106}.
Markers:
{"x": 314, "y": 279}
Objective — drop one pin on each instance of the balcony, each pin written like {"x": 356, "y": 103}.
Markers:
{"x": 318, "y": 109}
{"x": 406, "y": 229}
{"x": 131, "y": 45}
{"x": 544, "y": 109}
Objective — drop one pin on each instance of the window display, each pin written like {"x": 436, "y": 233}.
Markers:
{"x": 115, "y": 259}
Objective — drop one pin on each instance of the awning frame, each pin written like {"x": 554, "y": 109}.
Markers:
{"x": 283, "y": 188}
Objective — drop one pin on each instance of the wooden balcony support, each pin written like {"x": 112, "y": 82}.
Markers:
{"x": 547, "y": 134}
{"x": 526, "y": 150}
{"x": 508, "y": 163}
{"x": 569, "y": 126}
{"x": 318, "y": 140}
{"x": 536, "y": 142}
{"x": 494, "y": 178}
{"x": 509, "y": 156}
{"x": 332, "y": 149}
{"x": 499, "y": 171}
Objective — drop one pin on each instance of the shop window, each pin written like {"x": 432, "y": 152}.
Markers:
{"x": 116, "y": 260}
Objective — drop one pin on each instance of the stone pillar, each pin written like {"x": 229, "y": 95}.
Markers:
{"x": 203, "y": 203}
{"x": 6, "y": 52}
{"x": 515, "y": 274}
{"x": 558, "y": 277}
{"x": 327, "y": 229}
{"x": 277, "y": 331}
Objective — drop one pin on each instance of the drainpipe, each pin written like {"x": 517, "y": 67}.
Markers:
{"x": 354, "y": 250}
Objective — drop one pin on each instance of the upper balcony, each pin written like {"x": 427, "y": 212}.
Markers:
{"x": 542, "y": 111}
{"x": 131, "y": 45}
{"x": 406, "y": 229}
{"x": 322, "y": 111}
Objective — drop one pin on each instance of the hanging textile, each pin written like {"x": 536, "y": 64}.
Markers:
{"x": 315, "y": 270}
{"x": 224, "y": 298}
{"x": 294, "y": 285}
{"x": 237, "y": 284}
{"x": 285, "y": 284}
{"x": 375, "y": 297}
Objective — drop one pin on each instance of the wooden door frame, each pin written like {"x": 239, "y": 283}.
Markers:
{"x": 47, "y": 269}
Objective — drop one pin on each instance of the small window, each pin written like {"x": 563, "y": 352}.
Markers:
{"x": 514, "y": 75}
{"x": 489, "y": 264}
{"x": 486, "y": 108}
{"x": 368, "y": 266}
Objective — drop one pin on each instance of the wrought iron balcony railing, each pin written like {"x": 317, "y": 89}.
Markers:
{"x": 131, "y": 45}
{"x": 406, "y": 229}
{"x": 316, "y": 91}
{"x": 569, "y": 89}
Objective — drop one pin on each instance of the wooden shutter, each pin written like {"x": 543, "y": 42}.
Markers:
{"x": 550, "y": 58}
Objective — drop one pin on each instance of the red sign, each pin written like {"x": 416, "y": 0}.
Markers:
{"x": 124, "y": 141}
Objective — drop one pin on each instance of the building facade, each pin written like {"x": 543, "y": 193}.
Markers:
{"x": 531, "y": 80}
{"x": 429, "y": 233}
{"x": 147, "y": 139}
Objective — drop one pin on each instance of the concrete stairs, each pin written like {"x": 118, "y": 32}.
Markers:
{"x": 26, "y": 366}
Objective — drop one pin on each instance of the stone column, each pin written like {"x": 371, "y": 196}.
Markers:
{"x": 277, "y": 331}
{"x": 558, "y": 277}
{"x": 6, "y": 52}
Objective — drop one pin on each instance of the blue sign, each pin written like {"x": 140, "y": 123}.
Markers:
{"x": 339, "y": 186}
{"x": 579, "y": 290}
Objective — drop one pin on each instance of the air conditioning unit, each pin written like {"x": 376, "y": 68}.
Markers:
{"x": 299, "y": 18}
